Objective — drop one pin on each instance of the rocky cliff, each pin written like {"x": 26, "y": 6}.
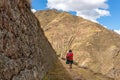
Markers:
{"x": 95, "y": 47}
{"x": 25, "y": 53}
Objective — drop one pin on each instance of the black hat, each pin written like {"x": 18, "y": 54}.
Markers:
{"x": 70, "y": 50}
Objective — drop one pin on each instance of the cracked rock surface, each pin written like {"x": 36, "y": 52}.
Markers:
{"x": 23, "y": 47}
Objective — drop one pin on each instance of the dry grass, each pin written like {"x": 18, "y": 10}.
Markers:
{"x": 57, "y": 73}
{"x": 91, "y": 40}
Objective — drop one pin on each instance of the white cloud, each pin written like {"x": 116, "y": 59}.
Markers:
{"x": 89, "y": 9}
{"x": 118, "y": 31}
{"x": 33, "y": 10}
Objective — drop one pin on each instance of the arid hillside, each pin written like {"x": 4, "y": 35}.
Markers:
{"x": 25, "y": 53}
{"x": 95, "y": 47}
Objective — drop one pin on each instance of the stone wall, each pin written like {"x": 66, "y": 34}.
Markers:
{"x": 25, "y": 54}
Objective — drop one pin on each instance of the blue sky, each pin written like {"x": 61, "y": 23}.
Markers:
{"x": 112, "y": 21}
{"x": 106, "y": 12}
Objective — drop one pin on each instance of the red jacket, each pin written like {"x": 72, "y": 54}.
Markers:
{"x": 69, "y": 56}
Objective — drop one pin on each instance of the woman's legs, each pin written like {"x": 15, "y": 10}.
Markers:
{"x": 70, "y": 65}
{"x": 71, "y": 62}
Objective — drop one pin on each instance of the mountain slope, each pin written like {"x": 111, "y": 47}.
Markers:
{"x": 25, "y": 53}
{"x": 50, "y": 16}
{"x": 78, "y": 73}
{"x": 94, "y": 46}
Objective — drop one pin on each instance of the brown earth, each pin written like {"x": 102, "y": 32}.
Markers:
{"x": 81, "y": 73}
{"x": 94, "y": 46}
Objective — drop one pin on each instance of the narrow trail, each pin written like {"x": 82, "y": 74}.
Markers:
{"x": 78, "y": 73}
{"x": 73, "y": 72}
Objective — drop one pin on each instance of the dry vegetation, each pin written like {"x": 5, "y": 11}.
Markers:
{"x": 57, "y": 73}
{"x": 92, "y": 44}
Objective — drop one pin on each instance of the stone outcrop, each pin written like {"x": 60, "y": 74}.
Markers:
{"x": 95, "y": 47}
{"x": 25, "y": 53}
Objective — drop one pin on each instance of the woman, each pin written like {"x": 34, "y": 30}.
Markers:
{"x": 69, "y": 58}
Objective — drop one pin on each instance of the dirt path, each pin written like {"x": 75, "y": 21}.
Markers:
{"x": 73, "y": 72}
{"x": 78, "y": 73}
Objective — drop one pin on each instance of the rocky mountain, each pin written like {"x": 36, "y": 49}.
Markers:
{"x": 95, "y": 47}
{"x": 25, "y": 53}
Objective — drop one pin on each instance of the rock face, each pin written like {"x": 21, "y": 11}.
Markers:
{"x": 25, "y": 53}
{"x": 94, "y": 47}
